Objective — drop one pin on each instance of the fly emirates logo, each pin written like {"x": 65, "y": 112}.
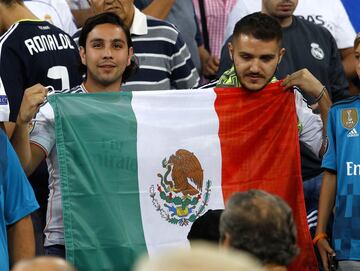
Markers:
{"x": 352, "y": 169}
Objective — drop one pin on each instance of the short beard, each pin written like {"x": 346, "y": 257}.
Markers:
{"x": 268, "y": 81}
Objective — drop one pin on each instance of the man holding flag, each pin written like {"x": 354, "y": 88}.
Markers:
{"x": 106, "y": 54}
{"x": 256, "y": 52}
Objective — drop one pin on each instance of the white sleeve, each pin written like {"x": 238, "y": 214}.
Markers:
{"x": 43, "y": 130}
{"x": 311, "y": 124}
{"x": 344, "y": 31}
{"x": 240, "y": 10}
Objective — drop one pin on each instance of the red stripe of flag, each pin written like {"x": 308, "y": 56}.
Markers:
{"x": 260, "y": 150}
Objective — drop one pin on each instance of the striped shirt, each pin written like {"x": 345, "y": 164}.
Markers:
{"x": 163, "y": 57}
{"x": 217, "y": 13}
{"x": 43, "y": 135}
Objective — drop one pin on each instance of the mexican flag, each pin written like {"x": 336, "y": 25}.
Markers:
{"x": 137, "y": 168}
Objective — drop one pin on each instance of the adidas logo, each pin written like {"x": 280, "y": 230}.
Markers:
{"x": 353, "y": 133}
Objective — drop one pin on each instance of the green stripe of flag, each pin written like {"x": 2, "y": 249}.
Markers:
{"x": 116, "y": 236}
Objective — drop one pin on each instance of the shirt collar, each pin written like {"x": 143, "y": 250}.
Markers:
{"x": 230, "y": 79}
{"x": 139, "y": 25}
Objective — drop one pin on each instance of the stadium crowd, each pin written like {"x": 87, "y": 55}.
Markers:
{"x": 91, "y": 46}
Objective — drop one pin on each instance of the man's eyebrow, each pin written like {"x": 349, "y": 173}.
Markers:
{"x": 118, "y": 40}
{"x": 114, "y": 40}
{"x": 266, "y": 55}
{"x": 96, "y": 39}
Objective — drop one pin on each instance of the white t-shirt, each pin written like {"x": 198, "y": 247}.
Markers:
{"x": 56, "y": 12}
{"x": 329, "y": 13}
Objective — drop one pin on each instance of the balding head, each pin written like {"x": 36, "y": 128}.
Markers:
{"x": 43, "y": 264}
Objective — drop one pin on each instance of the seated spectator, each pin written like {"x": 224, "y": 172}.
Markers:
{"x": 262, "y": 225}
{"x": 45, "y": 263}
{"x": 206, "y": 227}
{"x": 201, "y": 257}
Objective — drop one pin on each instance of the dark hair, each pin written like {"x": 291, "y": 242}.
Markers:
{"x": 206, "y": 227}
{"x": 261, "y": 224}
{"x": 11, "y": 2}
{"x": 107, "y": 18}
{"x": 260, "y": 26}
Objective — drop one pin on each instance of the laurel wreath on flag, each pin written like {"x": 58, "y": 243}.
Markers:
{"x": 173, "y": 201}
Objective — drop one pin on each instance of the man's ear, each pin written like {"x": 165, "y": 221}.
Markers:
{"x": 131, "y": 54}
{"x": 281, "y": 54}
{"x": 82, "y": 55}
{"x": 231, "y": 50}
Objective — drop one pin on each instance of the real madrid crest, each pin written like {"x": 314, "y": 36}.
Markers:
{"x": 349, "y": 118}
{"x": 184, "y": 197}
{"x": 316, "y": 51}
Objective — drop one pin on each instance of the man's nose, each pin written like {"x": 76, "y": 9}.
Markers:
{"x": 107, "y": 51}
{"x": 254, "y": 65}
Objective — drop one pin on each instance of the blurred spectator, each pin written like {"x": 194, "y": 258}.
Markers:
{"x": 17, "y": 202}
{"x": 201, "y": 257}
{"x": 261, "y": 224}
{"x": 45, "y": 263}
{"x": 206, "y": 227}
{"x": 212, "y": 16}
{"x": 56, "y": 12}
